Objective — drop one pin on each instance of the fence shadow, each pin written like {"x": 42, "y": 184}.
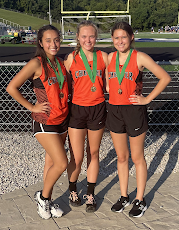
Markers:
{"x": 108, "y": 166}
{"x": 170, "y": 142}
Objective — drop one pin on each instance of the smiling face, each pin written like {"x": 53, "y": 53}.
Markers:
{"x": 50, "y": 43}
{"x": 87, "y": 37}
{"x": 122, "y": 40}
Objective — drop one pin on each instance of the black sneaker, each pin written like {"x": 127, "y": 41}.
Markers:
{"x": 74, "y": 199}
{"x": 90, "y": 203}
{"x": 120, "y": 204}
{"x": 138, "y": 209}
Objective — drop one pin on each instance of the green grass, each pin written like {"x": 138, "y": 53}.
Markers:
{"x": 156, "y": 44}
{"x": 157, "y": 35}
{"x": 24, "y": 20}
{"x": 17, "y": 45}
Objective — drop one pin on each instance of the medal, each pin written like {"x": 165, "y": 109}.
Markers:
{"x": 58, "y": 74}
{"x": 119, "y": 91}
{"x": 61, "y": 95}
{"x": 121, "y": 75}
{"x": 91, "y": 73}
{"x": 93, "y": 89}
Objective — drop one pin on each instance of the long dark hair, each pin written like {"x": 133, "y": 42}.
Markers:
{"x": 40, "y": 51}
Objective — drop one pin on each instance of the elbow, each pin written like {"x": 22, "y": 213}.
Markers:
{"x": 107, "y": 89}
{"x": 8, "y": 89}
{"x": 168, "y": 80}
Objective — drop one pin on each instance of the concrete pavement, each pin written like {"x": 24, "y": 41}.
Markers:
{"x": 18, "y": 209}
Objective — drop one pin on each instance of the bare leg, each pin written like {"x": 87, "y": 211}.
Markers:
{"x": 54, "y": 146}
{"x": 94, "y": 140}
{"x": 122, "y": 151}
{"x": 49, "y": 161}
{"x": 77, "y": 139}
{"x": 137, "y": 152}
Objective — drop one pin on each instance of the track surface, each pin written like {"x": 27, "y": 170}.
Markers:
{"x": 21, "y": 54}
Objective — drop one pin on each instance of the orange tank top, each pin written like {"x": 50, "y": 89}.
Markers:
{"x": 82, "y": 94}
{"x": 131, "y": 83}
{"x": 49, "y": 91}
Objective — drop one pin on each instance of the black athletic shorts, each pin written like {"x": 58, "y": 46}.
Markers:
{"x": 88, "y": 117}
{"x": 51, "y": 129}
{"x": 130, "y": 119}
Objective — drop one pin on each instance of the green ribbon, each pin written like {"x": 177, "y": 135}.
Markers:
{"x": 120, "y": 76}
{"x": 58, "y": 73}
{"x": 92, "y": 74}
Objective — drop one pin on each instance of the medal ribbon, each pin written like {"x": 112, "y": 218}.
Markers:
{"x": 121, "y": 75}
{"x": 58, "y": 73}
{"x": 92, "y": 74}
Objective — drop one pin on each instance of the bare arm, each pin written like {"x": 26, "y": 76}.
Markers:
{"x": 107, "y": 76}
{"x": 145, "y": 61}
{"x": 105, "y": 58}
{"x": 31, "y": 70}
{"x": 67, "y": 62}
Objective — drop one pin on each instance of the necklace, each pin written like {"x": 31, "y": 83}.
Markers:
{"x": 58, "y": 74}
{"x": 120, "y": 76}
{"x": 91, "y": 73}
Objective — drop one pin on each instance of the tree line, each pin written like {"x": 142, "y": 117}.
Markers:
{"x": 144, "y": 13}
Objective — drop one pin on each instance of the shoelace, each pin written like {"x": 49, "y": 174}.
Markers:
{"x": 47, "y": 205}
{"x": 90, "y": 199}
{"x": 73, "y": 196}
{"x": 138, "y": 205}
{"x": 55, "y": 206}
{"x": 124, "y": 202}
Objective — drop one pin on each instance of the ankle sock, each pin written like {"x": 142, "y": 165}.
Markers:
{"x": 43, "y": 198}
{"x": 72, "y": 186}
{"x": 90, "y": 188}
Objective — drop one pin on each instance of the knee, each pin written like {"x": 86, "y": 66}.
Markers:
{"x": 94, "y": 154}
{"x": 62, "y": 166}
{"x": 48, "y": 162}
{"x": 76, "y": 163}
{"x": 138, "y": 160}
{"x": 123, "y": 159}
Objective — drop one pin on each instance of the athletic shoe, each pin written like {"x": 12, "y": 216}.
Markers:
{"x": 138, "y": 209}
{"x": 120, "y": 204}
{"x": 90, "y": 203}
{"x": 74, "y": 199}
{"x": 55, "y": 210}
{"x": 43, "y": 206}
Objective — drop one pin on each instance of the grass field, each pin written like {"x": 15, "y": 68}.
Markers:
{"x": 137, "y": 44}
{"x": 139, "y": 35}
{"x": 156, "y": 44}
{"x": 35, "y": 23}
{"x": 24, "y": 20}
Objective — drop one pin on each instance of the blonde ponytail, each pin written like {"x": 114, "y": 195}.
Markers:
{"x": 77, "y": 49}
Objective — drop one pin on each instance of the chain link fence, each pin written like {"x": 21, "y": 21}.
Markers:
{"x": 163, "y": 112}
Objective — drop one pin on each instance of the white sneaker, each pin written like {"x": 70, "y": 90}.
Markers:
{"x": 55, "y": 210}
{"x": 43, "y": 206}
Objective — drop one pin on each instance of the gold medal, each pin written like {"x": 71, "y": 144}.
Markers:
{"x": 119, "y": 91}
{"x": 93, "y": 89}
{"x": 61, "y": 95}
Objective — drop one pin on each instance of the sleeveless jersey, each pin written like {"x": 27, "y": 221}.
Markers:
{"x": 82, "y": 94}
{"x": 49, "y": 91}
{"x": 131, "y": 83}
